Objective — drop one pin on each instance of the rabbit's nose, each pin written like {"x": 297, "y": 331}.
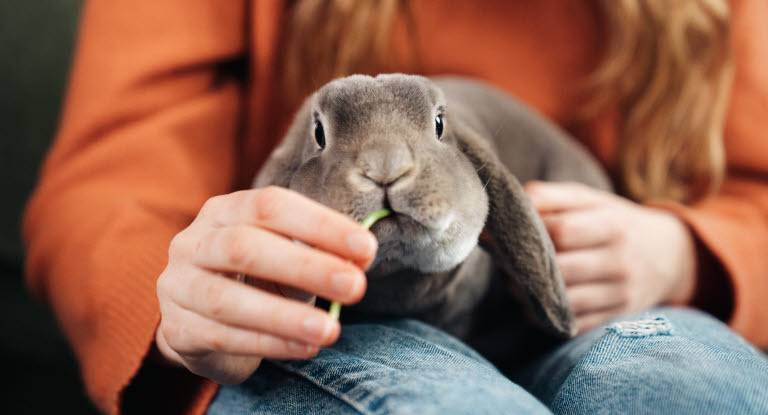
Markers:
{"x": 385, "y": 181}
{"x": 386, "y": 164}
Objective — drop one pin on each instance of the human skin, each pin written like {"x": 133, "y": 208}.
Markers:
{"x": 615, "y": 256}
{"x": 220, "y": 329}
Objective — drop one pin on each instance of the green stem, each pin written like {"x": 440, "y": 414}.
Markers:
{"x": 335, "y": 309}
{"x": 374, "y": 217}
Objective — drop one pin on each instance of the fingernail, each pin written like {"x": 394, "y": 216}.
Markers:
{"x": 318, "y": 327}
{"x": 344, "y": 283}
{"x": 296, "y": 347}
{"x": 300, "y": 348}
{"x": 363, "y": 244}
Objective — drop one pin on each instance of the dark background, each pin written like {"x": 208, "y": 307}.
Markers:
{"x": 36, "y": 42}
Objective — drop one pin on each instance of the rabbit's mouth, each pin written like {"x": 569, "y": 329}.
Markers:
{"x": 405, "y": 242}
{"x": 399, "y": 226}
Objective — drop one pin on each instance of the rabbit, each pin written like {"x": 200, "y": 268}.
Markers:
{"x": 446, "y": 155}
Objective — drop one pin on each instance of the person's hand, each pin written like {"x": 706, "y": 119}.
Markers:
{"x": 220, "y": 328}
{"x": 615, "y": 256}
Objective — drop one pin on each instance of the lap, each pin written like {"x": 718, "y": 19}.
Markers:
{"x": 664, "y": 361}
{"x": 667, "y": 360}
{"x": 399, "y": 366}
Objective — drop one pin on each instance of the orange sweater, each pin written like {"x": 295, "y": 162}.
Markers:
{"x": 150, "y": 131}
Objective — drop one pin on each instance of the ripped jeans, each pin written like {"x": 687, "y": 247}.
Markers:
{"x": 665, "y": 361}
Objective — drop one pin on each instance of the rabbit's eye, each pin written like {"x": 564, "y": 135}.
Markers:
{"x": 439, "y": 126}
{"x": 320, "y": 134}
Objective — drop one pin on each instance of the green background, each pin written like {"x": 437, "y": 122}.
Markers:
{"x": 36, "y": 42}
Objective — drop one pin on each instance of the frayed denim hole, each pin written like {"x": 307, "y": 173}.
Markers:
{"x": 658, "y": 326}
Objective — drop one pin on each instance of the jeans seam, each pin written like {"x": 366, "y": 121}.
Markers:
{"x": 458, "y": 355}
{"x": 323, "y": 387}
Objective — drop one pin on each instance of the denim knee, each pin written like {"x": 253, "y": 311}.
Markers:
{"x": 667, "y": 360}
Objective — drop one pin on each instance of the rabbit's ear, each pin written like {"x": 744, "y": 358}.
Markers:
{"x": 519, "y": 241}
{"x": 286, "y": 158}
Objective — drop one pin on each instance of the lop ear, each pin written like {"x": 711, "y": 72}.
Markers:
{"x": 519, "y": 241}
{"x": 286, "y": 158}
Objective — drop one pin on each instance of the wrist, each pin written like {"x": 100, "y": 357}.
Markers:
{"x": 713, "y": 289}
{"x": 684, "y": 271}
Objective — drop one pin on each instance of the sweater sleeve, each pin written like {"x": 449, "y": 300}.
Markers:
{"x": 148, "y": 133}
{"x": 733, "y": 226}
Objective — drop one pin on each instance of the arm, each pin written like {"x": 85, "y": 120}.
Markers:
{"x": 733, "y": 226}
{"x": 617, "y": 256}
{"x": 147, "y": 135}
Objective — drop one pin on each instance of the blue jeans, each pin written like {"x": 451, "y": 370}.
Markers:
{"x": 668, "y": 360}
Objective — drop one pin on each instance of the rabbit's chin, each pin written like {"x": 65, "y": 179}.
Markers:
{"x": 406, "y": 244}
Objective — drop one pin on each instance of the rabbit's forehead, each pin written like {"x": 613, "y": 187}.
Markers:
{"x": 353, "y": 101}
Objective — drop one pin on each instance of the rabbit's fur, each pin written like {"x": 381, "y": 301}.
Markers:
{"x": 382, "y": 150}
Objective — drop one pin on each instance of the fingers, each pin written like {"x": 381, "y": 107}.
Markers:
{"x": 235, "y": 304}
{"x": 219, "y": 328}
{"x": 198, "y": 337}
{"x": 224, "y": 369}
{"x": 587, "y": 322}
{"x": 594, "y": 304}
{"x": 588, "y": 265}
{"x": 294, "y": 216}
{"x": 256, "y": 252}
{"x": 557, "y": 196}
{"x": 575, "y": 216}
{"x": 590, "y": 298}
{"x": 580, "y": 229}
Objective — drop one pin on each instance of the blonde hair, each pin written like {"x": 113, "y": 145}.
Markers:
{"x": 667, "y": 67}
{"x": 327, "y": 39}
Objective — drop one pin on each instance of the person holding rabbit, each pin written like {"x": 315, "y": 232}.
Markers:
{"x": 140, "y": 217}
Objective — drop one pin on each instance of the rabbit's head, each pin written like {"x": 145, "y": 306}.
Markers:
{"x": 371, "y": 143}
{"x": 360, "y": 144}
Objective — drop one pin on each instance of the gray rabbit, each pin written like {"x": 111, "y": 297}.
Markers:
{"x": 447, "y": 156}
